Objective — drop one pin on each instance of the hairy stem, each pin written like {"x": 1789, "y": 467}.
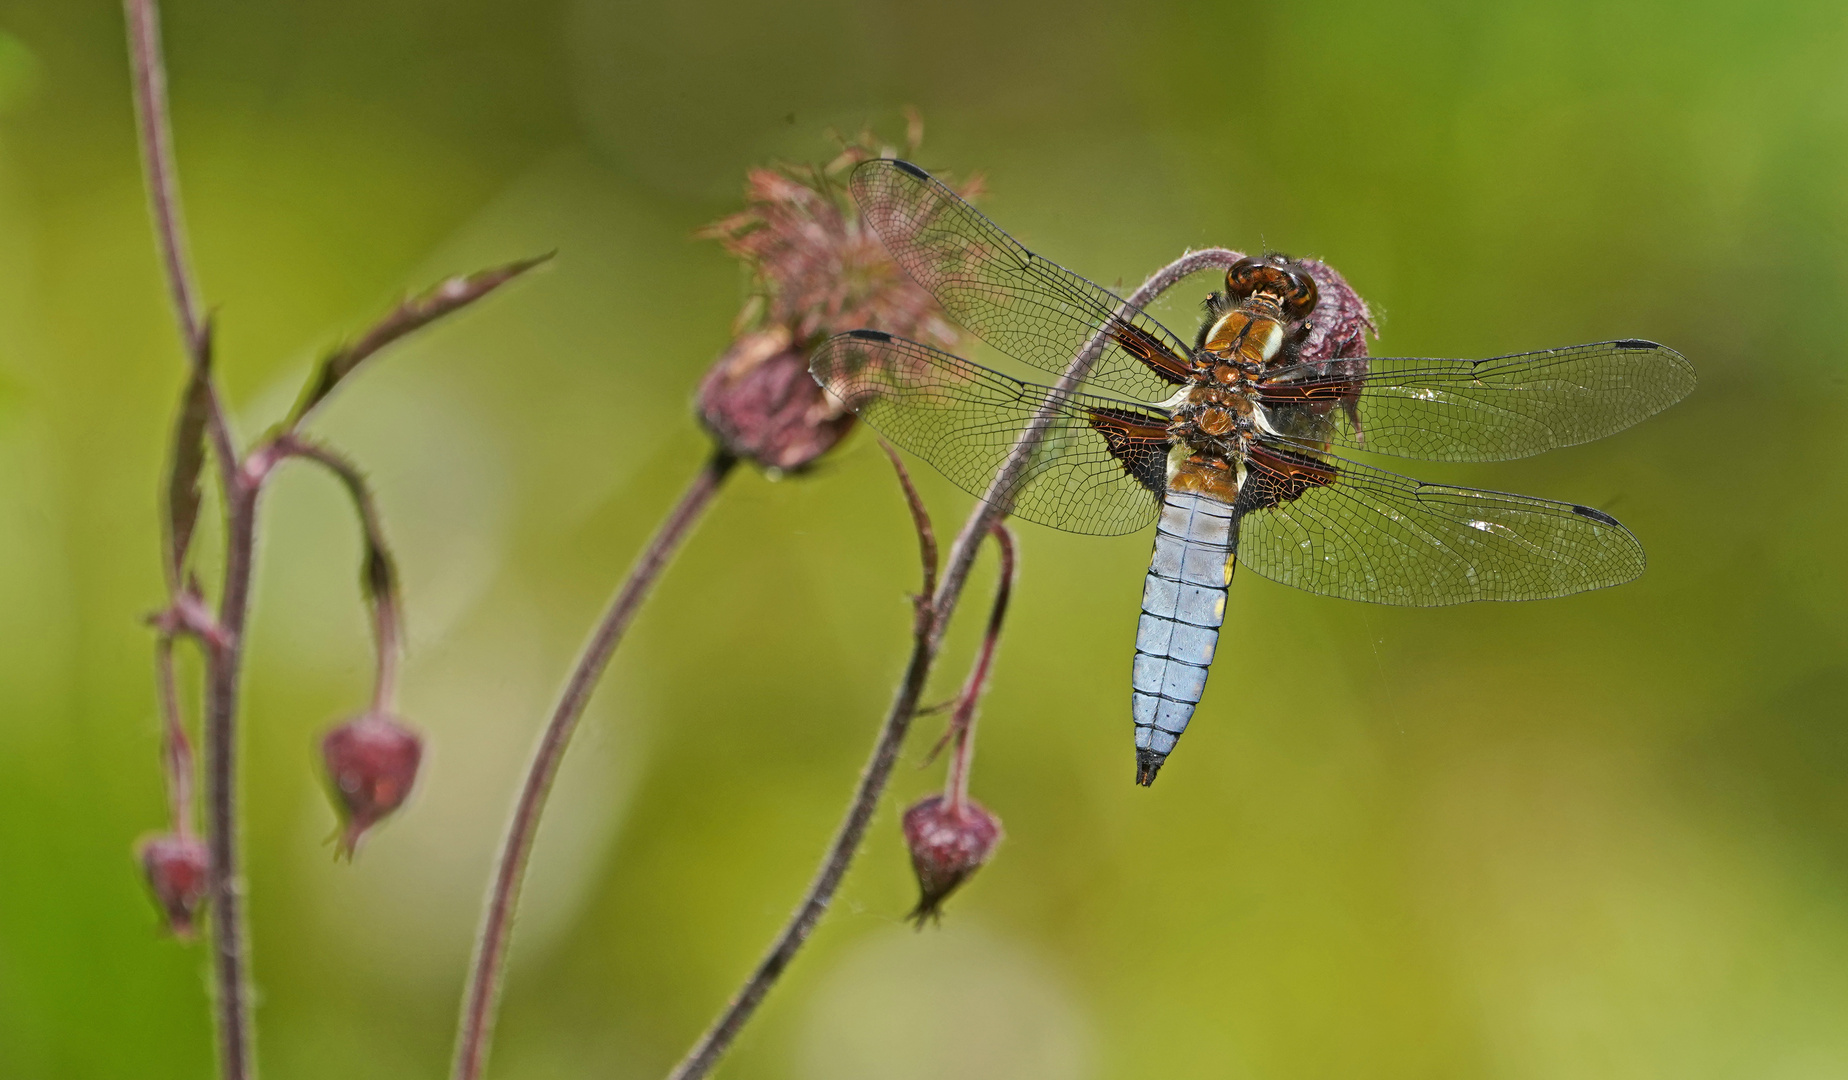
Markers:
{"x": 230, "y": 934}
{"x": 149, "y": 72}
{"x": 962, "y": 721}
{"x": 488, "y": 966}
{"x": 713, "y": 1044}
{"x": 176, "y": 748}
{"x": 981, "y": 521}
{"x": 224, "y": 654}
{"x": 379, "y": 576}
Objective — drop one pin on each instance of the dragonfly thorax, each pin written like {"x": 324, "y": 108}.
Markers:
{"x": 1216, "y": 420}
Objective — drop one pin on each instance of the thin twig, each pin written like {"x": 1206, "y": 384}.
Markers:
{"x": 223, "y": 653}
{"x": 379, "y": 577}
{"x": 224, "y": 673}
{"x": 176, "y": 748}
{"x": 962, "y": 721}
{"x": 150, "y": 76}
{"x": 149, "y": 71}
{"x": 713, "y": 1044}
{"x": 487, "y": 967}
{"x": 981, "y": 521}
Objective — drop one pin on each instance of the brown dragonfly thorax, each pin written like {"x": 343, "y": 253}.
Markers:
{"x": 1257, "y": 324}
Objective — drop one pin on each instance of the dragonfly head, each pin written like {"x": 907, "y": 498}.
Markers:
{"x": 1276, "y": 277}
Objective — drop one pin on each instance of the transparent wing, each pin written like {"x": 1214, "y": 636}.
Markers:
{"x": 1477, "y": 410}
{"x": 1096, "y": 470}
{"x": 1028, "y": 307}
{"x": 1340, "y": 528}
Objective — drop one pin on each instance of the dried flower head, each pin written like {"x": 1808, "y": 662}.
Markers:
{"x": 371, "y": 763}
{"x": 948, "y": 842}
{"x": 816, "y": 271}
{"x": 177, "y": 869}
{"x": 1341, "y": 321}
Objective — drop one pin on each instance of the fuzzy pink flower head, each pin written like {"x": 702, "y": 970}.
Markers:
{"x": 816, "y": 271}
{"x": 178, "y": 870}
{"x": 372, "y": 763}
{"x": 1341, "y": 321}
{"x": 948, "y": 843}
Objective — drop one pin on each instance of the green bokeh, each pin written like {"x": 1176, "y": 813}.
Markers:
{"x": 1605, "y": 836}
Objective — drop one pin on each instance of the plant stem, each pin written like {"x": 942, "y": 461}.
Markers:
{"x": 230, "y": 950}
{"x": 379, "y": 575}
{"x": 487, "y": 967}
{"x": 176, "y": 749}
{"x": 713, "y": 1044}
{"x": 981, "y": 521}
{"x": 230, "y": 934}
{"x": 962, "y": 721}
{"x": 152, "y": 121}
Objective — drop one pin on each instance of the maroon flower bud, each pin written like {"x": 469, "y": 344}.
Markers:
{"x": 371, "y": 764}
{"x": 177, "y": 869}
{"x": 760, "y": 402}
{"x": 948, "y": 843}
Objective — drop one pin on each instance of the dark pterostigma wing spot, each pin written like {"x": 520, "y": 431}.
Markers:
{"x": 1340, "y": 528}
{"x": 1478, "y": 410}
{"x": 870, "y": 335}
{"x": 1031, "y": 308}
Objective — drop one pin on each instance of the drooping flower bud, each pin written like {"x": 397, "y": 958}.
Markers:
{"x": 948, "y": 843}
{"x": 178, "y": 870}
{"x": 760, "y": 402}
{"x": 371, "y": 762}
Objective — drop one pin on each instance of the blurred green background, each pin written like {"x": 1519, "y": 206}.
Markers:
{"x": 1604, "y": 836}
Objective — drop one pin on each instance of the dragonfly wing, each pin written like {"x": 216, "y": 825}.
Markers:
{"x": 1477, "y": 410}
{"x": 1028, "y": 307}
{"x": 1340, "y": 528}
{"x": 1099, "y": 464}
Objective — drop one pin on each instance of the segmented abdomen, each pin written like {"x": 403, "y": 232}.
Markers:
{"x": 1183, "y": 604}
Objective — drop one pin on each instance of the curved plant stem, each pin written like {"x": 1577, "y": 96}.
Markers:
{"x": 961, "y": 729}
{"x": 489, "y": 963}
{"x": 230, "y": 949}
{"x": 718, "y": 1038}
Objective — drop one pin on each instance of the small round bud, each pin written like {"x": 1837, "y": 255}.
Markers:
{"x": 948, "y": 843}
{"x": 760, "y": 402}
{"x": 371, "y": 764}
{"x": 178, "y": 869}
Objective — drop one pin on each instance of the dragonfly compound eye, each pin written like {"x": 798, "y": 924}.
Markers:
{"x": 1274, "y": 275}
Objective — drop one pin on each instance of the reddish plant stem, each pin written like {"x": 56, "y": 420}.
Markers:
{"x": 713, "y": 1044}
{"x": 718, "y": 1038}
{"x": 224, "y": 675}
{"x": 224, "y": 647}
{"x": 380, "y": 575}
{"x": 487, "y": 968}
{"x": 176, "y": 748}
{"x": 149, "y": 72}
{"x": 962, "y": 721}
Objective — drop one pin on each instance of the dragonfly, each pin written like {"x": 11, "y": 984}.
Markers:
{"x": 1226, "y": 443}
